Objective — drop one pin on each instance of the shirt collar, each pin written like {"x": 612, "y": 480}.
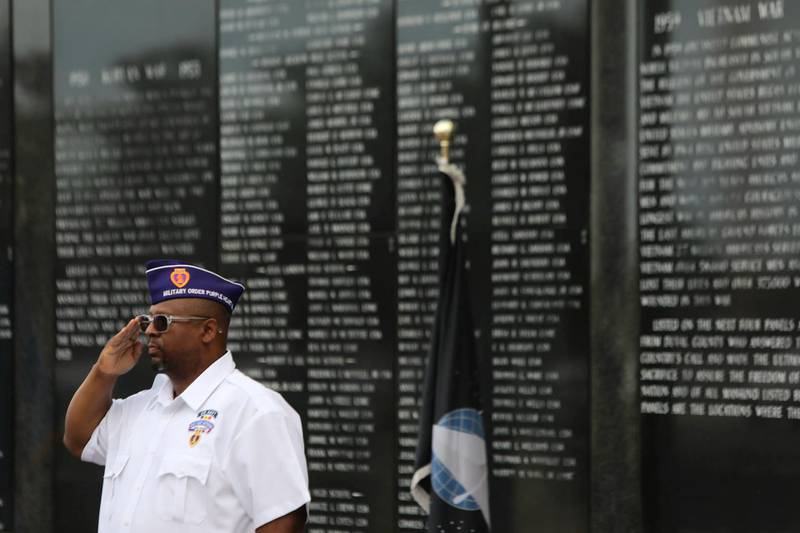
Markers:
{"x": 201, "y": 388}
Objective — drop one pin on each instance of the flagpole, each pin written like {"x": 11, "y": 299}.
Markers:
{"x": 443, "y": 131}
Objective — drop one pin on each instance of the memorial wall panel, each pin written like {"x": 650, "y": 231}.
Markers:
{"x": 435, "y": 65}
{"x": 514, "y": 78}
{"x": 136, "y": 178}
{"x": 307, "y": 118}
{"x": 719, "y": 183}
{"x": 6, "y": 275}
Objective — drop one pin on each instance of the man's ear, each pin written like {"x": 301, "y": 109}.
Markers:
{"x": 210, "y": 330}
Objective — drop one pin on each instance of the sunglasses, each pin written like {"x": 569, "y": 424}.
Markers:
{"x": 161, "y": 322}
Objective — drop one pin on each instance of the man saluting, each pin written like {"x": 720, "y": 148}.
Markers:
{"x": 205, "y": 448}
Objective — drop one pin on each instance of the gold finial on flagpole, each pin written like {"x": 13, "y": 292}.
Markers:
{"x": 443, "y": 130}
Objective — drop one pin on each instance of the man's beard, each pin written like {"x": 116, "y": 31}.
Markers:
{"x": 158, "y": 365}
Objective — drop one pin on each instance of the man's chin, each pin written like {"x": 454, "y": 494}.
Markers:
{"x": 157, "y": 365}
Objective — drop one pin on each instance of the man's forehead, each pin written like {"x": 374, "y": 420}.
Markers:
{"x": 178, "y": 305}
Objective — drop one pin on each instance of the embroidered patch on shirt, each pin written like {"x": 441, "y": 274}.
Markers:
{"x": 202, "y": 425}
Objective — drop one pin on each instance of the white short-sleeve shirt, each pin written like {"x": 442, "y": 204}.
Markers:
{"x": 225, "y": 455}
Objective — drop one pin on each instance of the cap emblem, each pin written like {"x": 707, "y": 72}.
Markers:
{"x": 179, "y": 277}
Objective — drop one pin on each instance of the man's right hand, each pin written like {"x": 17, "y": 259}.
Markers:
{"x": 91, "y": 401}
{"x": 122, "y": 351}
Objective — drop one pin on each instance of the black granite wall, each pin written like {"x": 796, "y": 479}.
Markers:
{"x": 632, "y": 195}
{"x": 6, "y": 278}
{"x": 35, "y": 433}
{"x": 288, "y": 144}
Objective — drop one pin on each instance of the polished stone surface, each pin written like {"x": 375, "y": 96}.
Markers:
{"x": 34, "y": 333}
{"x": 616, "y": 446}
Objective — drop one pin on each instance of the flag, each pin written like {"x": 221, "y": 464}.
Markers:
{"x": 451, "y": 479}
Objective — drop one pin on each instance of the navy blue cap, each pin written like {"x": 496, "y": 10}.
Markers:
{"x": 168, "y": 279}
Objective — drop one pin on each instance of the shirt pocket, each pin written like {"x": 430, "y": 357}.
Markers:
{"x": 181, "y": 490}
{"x": 111, "y": 481}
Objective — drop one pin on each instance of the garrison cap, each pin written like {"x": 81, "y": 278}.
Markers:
{"x": 169, "y": 279}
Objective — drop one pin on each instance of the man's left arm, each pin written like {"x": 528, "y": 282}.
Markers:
{"x": 294, "y": 522}
{"x": 267, "y": 469}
